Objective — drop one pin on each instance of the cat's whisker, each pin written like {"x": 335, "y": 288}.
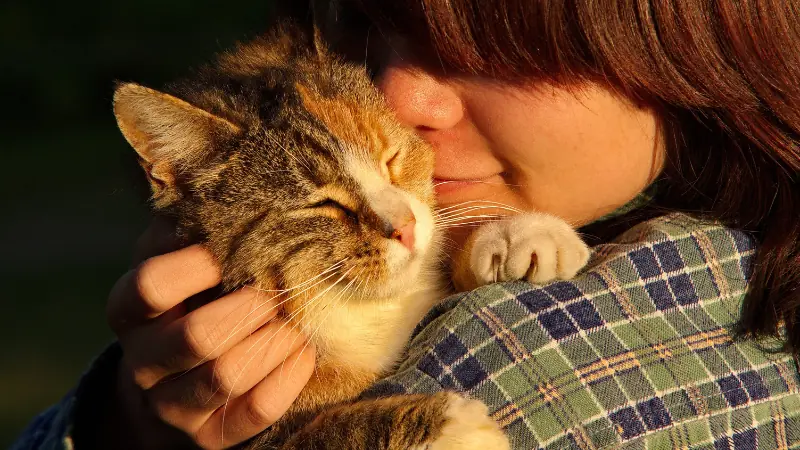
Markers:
{"x": 321, "y": 322}
{"x": 388, "y": 41}
{"x": 458, "y": 213}
{"x": 308, "y": 303}
{"x": 463, "y": 218}
{"x": 465, "y": 224}
{"x": 478, "y": 208}
{"x": 333, "y": 299}
{"x": 470, "y": 223}
{"x": 467, "y": 220}
{"x": 448, "y": 244}
{"x": 288, "y": 320}
{"x": 305, "y": 305}
{"x": 467, "y": 214}
{"x": 468, "y": 204}
{"x": 464, "y": 208}
{"x": 456, "y": 208}
{"x": 333, "y": 303}
{"x": 273, "y": 172}
{"x": 329, "y": 269}
{"x": 296, "y": 294}
{"x": 242, "y": 324}
{"x": 483, "y": 202}
{"x": 279, "y": 304}
{"x": 366, "y": 47}
{"x": 491, "y": 183}
{"x": 367, "y": 280}
{"x": 299, "y": 159}
{"x": 236, "y": 328}
{"x": 295, "y": 326}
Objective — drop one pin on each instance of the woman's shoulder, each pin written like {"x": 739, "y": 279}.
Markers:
{"x": 686, "y": 237}
{"x": 667, "y": 263}
{"x": 672, "y": 260}
{"x": 640, "y": 346}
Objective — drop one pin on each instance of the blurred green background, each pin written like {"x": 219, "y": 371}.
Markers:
{"x": 69, "y": 213}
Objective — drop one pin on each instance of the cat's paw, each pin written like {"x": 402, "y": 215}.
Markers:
{"x": 534, "y": 247}
{"x": 468, "y": 426}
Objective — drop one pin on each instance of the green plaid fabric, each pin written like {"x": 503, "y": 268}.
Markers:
{"x": 637, "y": 352}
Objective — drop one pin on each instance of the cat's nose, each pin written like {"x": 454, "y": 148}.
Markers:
{"x": 402, "y": 230}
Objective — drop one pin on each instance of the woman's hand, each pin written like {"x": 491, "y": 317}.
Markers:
{"x": 220, "y": 373}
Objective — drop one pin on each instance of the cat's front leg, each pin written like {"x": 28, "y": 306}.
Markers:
{"x": 534, "y": 246}
{"x": 443, "y": 421}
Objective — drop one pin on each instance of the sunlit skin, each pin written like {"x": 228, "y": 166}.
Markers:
{"x": 578, "y": 152}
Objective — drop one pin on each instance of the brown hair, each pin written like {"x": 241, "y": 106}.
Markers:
{"x": 725, "y": 76}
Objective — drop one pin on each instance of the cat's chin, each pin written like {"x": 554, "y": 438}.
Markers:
{"x": 384, "y": 291}
{"x": 406, "y": 279}
{"x": 397, "y": 283}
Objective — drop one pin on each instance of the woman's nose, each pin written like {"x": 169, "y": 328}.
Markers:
{"x": 419, "y": 99}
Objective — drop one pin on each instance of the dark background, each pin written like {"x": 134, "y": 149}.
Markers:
{"x": 69, "y": 214}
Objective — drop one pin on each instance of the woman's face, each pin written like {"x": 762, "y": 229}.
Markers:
{"x": 578, "y": 154}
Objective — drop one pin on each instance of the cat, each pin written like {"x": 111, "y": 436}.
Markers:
{"x": 287, "y": 164}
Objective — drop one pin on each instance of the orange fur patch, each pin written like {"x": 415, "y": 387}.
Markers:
{"x": 349, "y": 122}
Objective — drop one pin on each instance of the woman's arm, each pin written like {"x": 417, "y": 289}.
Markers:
{"x": 174, "y": 379}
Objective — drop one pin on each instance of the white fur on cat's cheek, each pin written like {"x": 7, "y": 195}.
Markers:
{"x": 379, "y": 193}
{"x": 423, "y": 229}
{"x": 403, "y": 266}
{"x": 366, "y": 175}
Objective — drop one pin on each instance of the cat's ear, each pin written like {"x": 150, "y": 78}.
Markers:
{"x": 322, "y": 17}
{"x": 168, "y": 133}
{"x": 320, "y": 49}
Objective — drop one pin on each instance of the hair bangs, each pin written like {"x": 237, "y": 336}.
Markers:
{"x": 524, "y": 40}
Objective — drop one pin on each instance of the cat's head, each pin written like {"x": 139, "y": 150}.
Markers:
{"x": 290, "y": 167}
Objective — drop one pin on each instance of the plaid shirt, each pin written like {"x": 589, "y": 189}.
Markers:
{"x": 638, "y": 351}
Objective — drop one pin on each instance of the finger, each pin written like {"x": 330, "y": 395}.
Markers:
{"x": 159, "y": 238}
{"x": 158, "y": 284}
{"x": 263, "y": 405}
{"x": 158, "y": 350}
{"x": 187, "y": 402}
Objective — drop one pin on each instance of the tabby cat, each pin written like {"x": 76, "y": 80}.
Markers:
{"x": 287, "y": 164}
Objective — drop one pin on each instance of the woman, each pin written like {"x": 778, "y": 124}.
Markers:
{"x": 616, "y": 117}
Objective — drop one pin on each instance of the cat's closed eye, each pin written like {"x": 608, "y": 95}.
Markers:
{"x": 329, "y": 205}
{"x": 391, "y": 168}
